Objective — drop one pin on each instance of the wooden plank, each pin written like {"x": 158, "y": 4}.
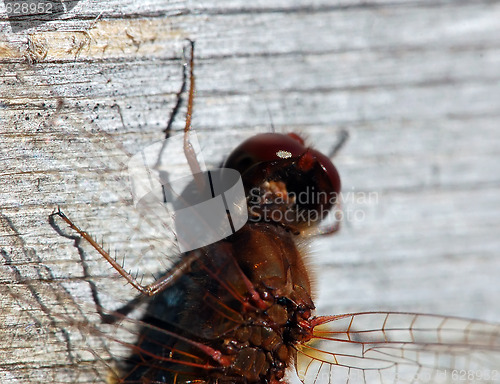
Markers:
{"x": 414, "y": 83}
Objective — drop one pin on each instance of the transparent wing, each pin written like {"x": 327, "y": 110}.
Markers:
{"x": 390, "y": 347}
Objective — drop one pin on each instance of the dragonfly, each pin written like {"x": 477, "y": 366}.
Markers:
{"x": 359, "y": 347}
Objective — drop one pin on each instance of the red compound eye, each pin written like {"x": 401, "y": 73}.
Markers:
{"x": 329, "y": 169}
{"x": 296, "y": 137}
{"x": 285, "y": 158}
{"x": 264, "y": 147}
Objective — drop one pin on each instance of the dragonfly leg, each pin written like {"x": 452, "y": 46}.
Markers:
{"x": 189, "y": 151}
{"x": 178, "y": 102}
{"x": 149, "y": 290}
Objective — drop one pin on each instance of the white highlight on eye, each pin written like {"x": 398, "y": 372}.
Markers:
{"x": 284, "y": 154}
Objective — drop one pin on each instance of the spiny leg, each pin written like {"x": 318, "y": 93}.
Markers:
{"x": 188, "y": 147}
{"x": 149, "y": 290}
{"x": 189, "y": 151}
{"x": 178, "y": 102}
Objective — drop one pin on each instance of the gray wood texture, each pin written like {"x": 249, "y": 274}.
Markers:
{"x": 415, "y": 83}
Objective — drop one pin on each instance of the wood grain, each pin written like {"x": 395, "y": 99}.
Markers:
{"x": 415, "y": 83}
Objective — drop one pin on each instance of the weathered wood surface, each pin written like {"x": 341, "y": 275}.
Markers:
{"x": 416, "y": 84}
